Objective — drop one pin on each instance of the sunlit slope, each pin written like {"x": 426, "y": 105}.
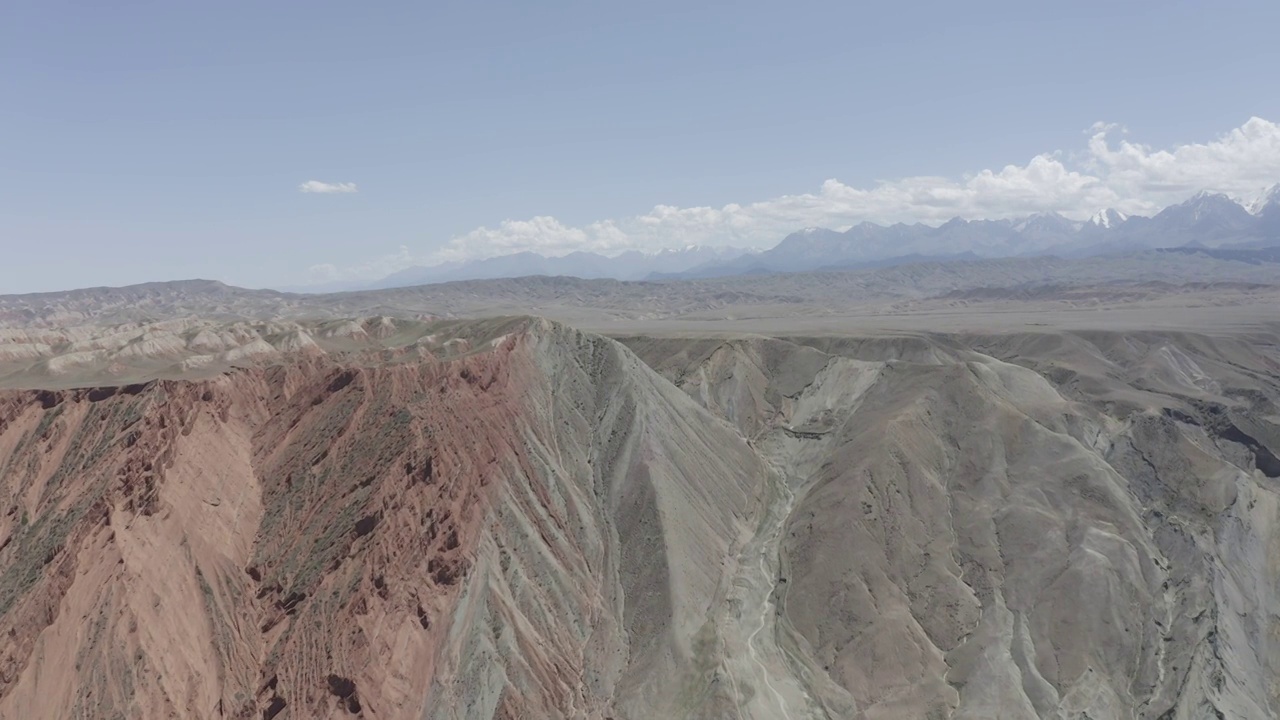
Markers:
{"x": 1033, "y": 525}
{"x": 536, "y": 527}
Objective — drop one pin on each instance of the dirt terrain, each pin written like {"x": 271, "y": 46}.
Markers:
{"x": 944, "y": 499}
{"x": 1018, "y": 525}
{"x": 1152, "y": 279}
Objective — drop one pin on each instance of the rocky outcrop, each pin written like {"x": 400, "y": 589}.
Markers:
{"x": 1025, "y": 525}
{"x": 533, "y": 530}
{"x": 510, "y": 519}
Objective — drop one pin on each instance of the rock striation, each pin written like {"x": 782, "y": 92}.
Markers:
{"x": 510, "y": 518}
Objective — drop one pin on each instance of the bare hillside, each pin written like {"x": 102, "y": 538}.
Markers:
{"x": 535, "y": 528}
{"x": 1014, "y": 500}
{"x": 1028, "y": 525}
{"x": 1132, "y": 280}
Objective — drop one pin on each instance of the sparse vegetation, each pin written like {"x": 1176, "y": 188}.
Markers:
{"x": 37, "y": 544}
{"x": 47, "y": 419}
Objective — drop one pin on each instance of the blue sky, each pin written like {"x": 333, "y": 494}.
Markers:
{"x": 159, "y": 140}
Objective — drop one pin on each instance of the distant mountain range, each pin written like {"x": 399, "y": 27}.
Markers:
{"x": 632, "y": 265}
{"x": 1206, "y": 220}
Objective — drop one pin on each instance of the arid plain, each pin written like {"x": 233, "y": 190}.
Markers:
{"x": 1015, "y": 489}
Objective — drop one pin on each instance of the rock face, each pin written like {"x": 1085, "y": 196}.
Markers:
{"x": 1022, "y": 526}
{"x": 512, "y": 519}
{"x": 533, "y": 530}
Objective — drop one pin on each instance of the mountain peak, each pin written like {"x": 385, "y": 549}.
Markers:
{"x": 1268, "y": 198}
{"x": 1202, "y": 206}
{"x": 1108, "y": 218}
{"x": 1043, "y": 224}
{"x": 1208, "y": 196}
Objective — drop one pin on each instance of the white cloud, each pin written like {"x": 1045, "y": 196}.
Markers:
{"x": 1238, "y": 164}
{"x": 315, "y": 186}
{"x": 1128, "y": 176}
{"x": 378, "y": 267}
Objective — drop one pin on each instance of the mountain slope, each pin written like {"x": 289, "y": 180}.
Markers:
{"x": 1022, "y": 526}
{"x": 509, "y": 518}
{"x": 535, "y": 528}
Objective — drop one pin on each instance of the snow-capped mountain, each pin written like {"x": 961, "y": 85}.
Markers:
{"x": 1268, "y": 198}
{"x": 1267, "y": 211}
{"x": 1205, "y": 220}
{"x": 1108, "y": 218}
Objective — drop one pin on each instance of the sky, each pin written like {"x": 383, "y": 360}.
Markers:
{"x": 283, "y": 143}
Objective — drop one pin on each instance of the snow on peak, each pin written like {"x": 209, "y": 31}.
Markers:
{"x": 1269, "y": 196}
{"x": 1204, "y": 204}
{"x": 1050, "y": 221}
{"x": 694, "y": 248}
{"x": 1108, "y": 218}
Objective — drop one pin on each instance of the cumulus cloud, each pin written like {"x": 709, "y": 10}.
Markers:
{"x": 1107, "y": 173}
{"x": 1239, "y": 164}
{"x": 1128, "y": 176}
{"x": 315, "y": 186}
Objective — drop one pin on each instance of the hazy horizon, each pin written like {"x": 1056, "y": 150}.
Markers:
{"x": 326, "y": 142}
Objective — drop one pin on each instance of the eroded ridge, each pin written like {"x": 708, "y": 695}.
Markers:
{"x": 512, "y": 531}
{"x": 512, "y": 518}
{"x": 1024, "y": 525}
